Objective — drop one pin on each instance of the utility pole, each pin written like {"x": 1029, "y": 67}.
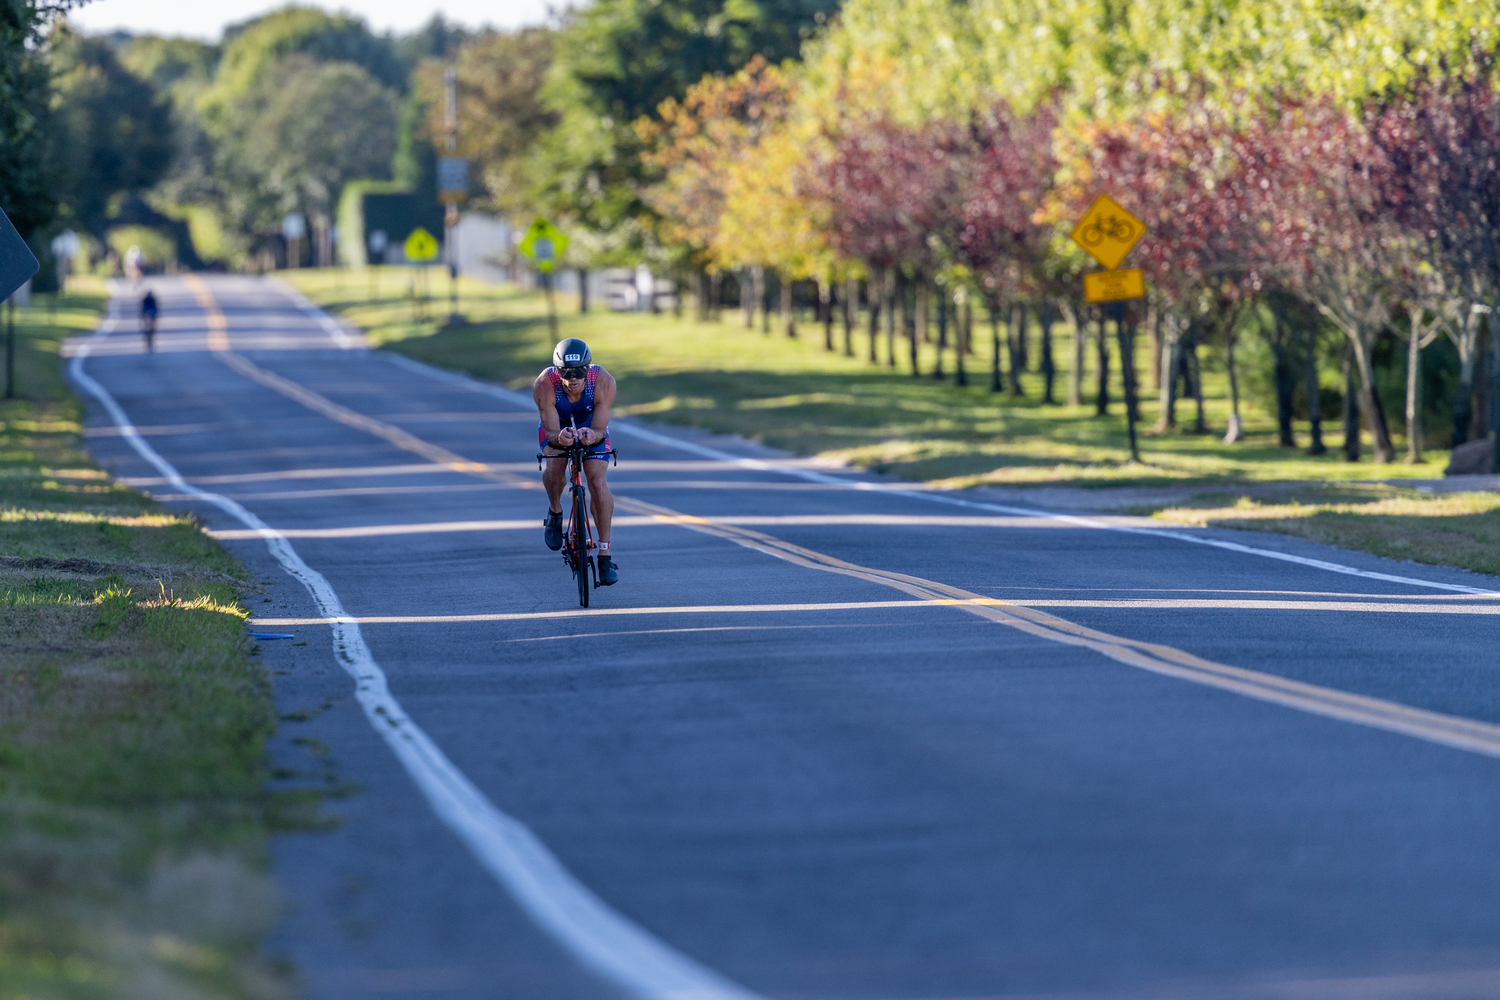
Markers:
{"x": 453, "y": 187}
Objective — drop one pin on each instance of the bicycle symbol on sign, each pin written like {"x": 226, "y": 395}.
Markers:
{"x": 1106, "y": 228}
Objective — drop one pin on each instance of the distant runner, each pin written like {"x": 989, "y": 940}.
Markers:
{"x": 574, "y": 398}
{"x": 148, "y": 318}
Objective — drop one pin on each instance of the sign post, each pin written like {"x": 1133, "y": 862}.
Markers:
{"x": 452, "y": 186}
{"x": 293, "y": 228}
{"x": 1107, "y": 232}
{"x": 421, "y": 247}
{"x": 17, "y": 265}
{"x": 544, "y": 243}
{"x": 378, "y": 242}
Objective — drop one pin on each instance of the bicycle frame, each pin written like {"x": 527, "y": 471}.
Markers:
{"x": 578, "y": 539}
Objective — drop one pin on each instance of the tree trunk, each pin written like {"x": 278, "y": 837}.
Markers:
{"x": 715, "y": 294}
{"x": 1369, "y": 405}
{"x": 942, "y": 334}
{"x": 1168, "y": 363}
{"x": 1101, "y": 346}
{"x": 1125, "y": 334}
{"x": 1414, "y": 392}
{"x": 1195, "y": 374}
{"x": 1466, "y": 339}
{"x": 851, "y": 314}
{"x": 1314, "y": 397}
{"x": 747, "y": 297}
{"x": 914, "y": 304}
{"x": 994, "y": 346}
{"x": 890, "y": 317}
{"x": 788, "y": 312}
{"x": 583, "y": 289}
{"x": 874, "y": 296}
{"x": 962, "y": 321}
{"x": 700, "y": 300}
{"x": 763, "y": 298}
{"x": 1154, "y": 319}
{"x": 1022, "y": 348}
{"x": 1233, "y": 433}
{"x": 1494, "y": 396}
{"x": 1351, "y": 409}
{"x": 918, "y": 329}
{"x": 1049, "y": 370}
{"x": 1011, "y": 332}
{"x": 1075, "y": 374}
{"x": 825, "y": 306}
{"x": 1286, "y": 386}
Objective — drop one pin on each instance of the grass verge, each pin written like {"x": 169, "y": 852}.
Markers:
{"x": 794, "y": 395}
{"x": 1440, "y": 529}
{"x": 133, "y": 721}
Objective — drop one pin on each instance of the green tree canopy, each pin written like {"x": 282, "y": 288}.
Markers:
{"x": 307, "y": 130}
{"x": 618, "y": 60}
{"x": 111, "y": 131}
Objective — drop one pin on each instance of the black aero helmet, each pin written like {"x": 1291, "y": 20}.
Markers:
{"x": 571, "y": 353}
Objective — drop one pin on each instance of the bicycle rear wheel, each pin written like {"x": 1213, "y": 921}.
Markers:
{"x": 580, "y": 542}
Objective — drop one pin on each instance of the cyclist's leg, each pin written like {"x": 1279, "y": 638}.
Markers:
{"x": 603, "y": 503}
{"x": 554, "y": 475}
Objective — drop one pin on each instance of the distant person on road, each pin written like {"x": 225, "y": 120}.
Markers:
{"x": 574, "y": 398}
{"x": 148, "y": 318}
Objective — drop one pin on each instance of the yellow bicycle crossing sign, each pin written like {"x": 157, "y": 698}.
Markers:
{"x": 1107, "y": 232}
{"x": 421, "y": 245}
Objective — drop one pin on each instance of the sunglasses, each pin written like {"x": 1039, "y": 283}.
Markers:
{"x": 572, "y": 373}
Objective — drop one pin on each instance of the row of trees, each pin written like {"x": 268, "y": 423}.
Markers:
{"x": 220, "y": 139}
{"x": 1318, "y": 174}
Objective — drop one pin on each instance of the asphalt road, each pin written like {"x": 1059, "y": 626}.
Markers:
{"x": 825, "y": 738}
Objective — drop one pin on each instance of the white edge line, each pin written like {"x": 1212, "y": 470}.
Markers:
{"x": 597, "y": 936}
{"x": 629, "y": 427}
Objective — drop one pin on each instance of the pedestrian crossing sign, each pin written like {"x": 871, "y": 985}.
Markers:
{"x": 544, "y": 243}
{"x": 421, "y": 245}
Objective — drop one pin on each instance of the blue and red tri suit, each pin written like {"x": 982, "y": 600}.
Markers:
{"x": 571, "y": 414}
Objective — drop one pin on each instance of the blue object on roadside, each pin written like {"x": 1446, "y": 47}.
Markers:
{"x": 270, "y": 635}
{"x": 17, "y": 262}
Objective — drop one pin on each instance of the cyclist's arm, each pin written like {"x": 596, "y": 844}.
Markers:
{"x": 604, "y": 401}
{"x": 546, "y": 405}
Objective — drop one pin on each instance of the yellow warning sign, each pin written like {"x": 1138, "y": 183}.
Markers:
{"x": 1108, "y": 232}
{"x": 421, "y": 245}
{"x": 1111, "y": 286}
{"x": 544, "y": 243}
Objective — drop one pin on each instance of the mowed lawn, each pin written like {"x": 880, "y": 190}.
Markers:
{"x": 134, "y": 809}
{"x": 795, "y": 395}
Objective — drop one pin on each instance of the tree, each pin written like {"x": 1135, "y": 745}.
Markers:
{"x": 1006, "y": 178}
{"x": 695, "y": 143}
{"x": 1441, "y": 136}
{"x": 1179, "y": 173}
{"x": 112, "y": 132}
{"x": 29, "y": 190}
{"x": 294, "y": 140}
{"x": 617, "y": 61}
{"x": 1319, "y": 184}
{"x": 891, "y": 196}
{"x": 501, "y": 115}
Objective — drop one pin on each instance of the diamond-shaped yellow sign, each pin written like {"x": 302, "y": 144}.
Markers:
{"x": 421, "y": 245}
{"x": 1108, "y": 232}
{"x": 544, "y": 243}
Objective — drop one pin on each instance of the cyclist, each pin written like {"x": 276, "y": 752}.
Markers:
{"x": 148, "y": 318}
{"x": 574, "y": 398}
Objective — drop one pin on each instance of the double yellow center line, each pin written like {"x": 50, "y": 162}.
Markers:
{"x": 1376, "y": 713}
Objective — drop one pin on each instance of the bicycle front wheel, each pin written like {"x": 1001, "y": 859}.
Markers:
{"x": 581, "y": 548}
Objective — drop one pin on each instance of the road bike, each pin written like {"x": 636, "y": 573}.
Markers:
{"x": 1109, "y": 227}
{"x": 148, "y": 329}
{"x": 578, "y": 538}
